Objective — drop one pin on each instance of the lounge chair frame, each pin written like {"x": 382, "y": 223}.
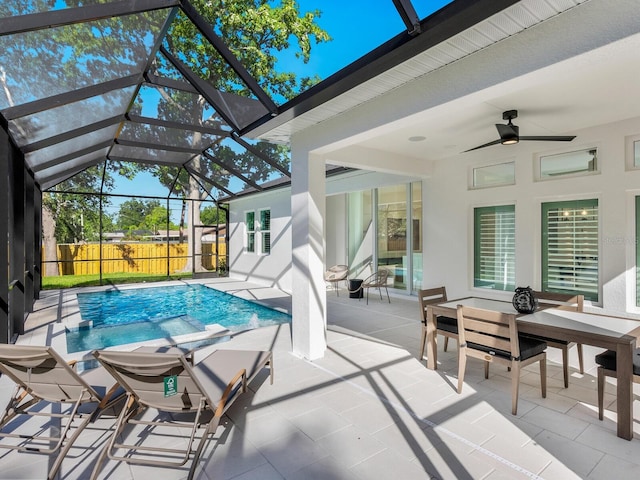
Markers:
{"x": 137, "y": 369}
{"x": 41, "y": 375}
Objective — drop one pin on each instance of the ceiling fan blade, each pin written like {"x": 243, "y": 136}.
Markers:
{"x": 495, "y": 142}
{"x": 551, "y": 138}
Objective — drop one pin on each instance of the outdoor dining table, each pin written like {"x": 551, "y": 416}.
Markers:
{"x": 609, "y": 332}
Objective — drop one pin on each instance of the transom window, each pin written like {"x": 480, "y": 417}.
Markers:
{"x": 580, "y": 162}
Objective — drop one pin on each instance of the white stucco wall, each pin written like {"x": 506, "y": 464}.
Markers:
{"x": 273, "y": 270}
{"x": 448, "y": 209}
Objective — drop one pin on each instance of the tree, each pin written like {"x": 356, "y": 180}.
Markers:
{"x": 256, "y": 31}
{"x": 133, "y": 213}
{"x": 211, "y": 215}
{"x": 156, "y": 220}
{"x": 71, "y": 217}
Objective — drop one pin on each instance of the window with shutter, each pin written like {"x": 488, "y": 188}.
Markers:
{"x": 265, "y": 231}
{"x": 570, "y": 247}
{"x": 250, "y": 226}
{"x": 494, "y": 247}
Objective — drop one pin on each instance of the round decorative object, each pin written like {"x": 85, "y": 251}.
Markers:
{"x": 524, "y": 301}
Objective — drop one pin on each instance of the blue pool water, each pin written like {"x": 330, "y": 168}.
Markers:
{"x": 135, "y": 315}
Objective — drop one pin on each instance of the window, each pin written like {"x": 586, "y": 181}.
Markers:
{"x": 265, "y": 231}
{"x": 250, "y": 225}
{"x": 580, "y": 162}
{"x": 633, "y": 152}
{"x": 570, "y": 247}
{"x": 258, "y": 232}
{"x": 494, "y": 247}
{"x": 494, "y": 175}
{"x": 637, "y": 251}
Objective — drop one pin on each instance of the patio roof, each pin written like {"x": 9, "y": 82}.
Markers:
{"x": 81, "y": 82}
{"x": 80, "y": 86}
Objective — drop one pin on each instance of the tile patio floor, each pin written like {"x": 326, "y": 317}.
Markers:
{"x": 370, "y": 410}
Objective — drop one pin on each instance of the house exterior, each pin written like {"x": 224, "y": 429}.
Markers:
{"x": 573, "y": 74}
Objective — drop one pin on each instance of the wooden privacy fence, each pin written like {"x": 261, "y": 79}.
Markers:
{"x": 151, "y": 258}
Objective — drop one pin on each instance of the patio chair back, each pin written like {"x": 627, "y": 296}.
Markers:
{"x": 44, "y": 377}
{"x": 493, "y": 337}
{"x": 161, "y": 381}
{"x": 563, "y": 301}
{"x": 43, "y": 374}
{"x": 444, "y": 325}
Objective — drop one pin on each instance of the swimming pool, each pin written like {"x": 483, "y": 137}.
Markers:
{"x": 115, "y": 317}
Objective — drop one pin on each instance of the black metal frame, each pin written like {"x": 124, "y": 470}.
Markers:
{"x": 21, "y": 184}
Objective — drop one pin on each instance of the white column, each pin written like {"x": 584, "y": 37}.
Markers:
{"x": 309, "y": 299}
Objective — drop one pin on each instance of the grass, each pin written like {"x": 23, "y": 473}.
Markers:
{"x": 69, "y": 281}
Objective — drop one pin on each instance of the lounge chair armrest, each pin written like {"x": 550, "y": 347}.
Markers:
{"x": 241, "y": 375}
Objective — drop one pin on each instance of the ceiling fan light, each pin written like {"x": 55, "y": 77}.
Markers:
{"x": 510, "y": 141}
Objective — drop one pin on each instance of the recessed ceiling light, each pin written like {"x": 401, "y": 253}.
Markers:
{"x": 417, "y": 138}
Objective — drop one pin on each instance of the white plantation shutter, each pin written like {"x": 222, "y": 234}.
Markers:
{"x": 265, "y": 229}
{"x": 494, "y": 247}
{"x": 570, "y": 247}
{"x": 250, "y": 230}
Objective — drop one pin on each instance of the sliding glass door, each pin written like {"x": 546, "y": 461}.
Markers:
{"x": 390, "y": 239}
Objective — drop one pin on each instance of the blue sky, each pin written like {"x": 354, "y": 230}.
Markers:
{"x": 356, "y": 27}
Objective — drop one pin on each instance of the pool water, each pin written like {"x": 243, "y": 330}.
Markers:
{"x": 115, "y": 317}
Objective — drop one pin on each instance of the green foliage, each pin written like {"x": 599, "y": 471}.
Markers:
{"x": 133, "y": 213}
{"x": 69, "y": 281}
{"x": 156, "y": 220}
{"x": 211, "y": 215}
{"x": 77, "y": 215}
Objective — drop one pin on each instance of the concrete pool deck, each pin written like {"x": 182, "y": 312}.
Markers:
{"x": 371, "y": 410}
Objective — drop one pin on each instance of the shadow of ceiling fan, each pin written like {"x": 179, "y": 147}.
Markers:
{"x": 510, "y": 134}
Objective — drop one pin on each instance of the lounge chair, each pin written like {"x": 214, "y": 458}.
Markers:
{"x": 173, "y": 386}
{"x": 42, "y": 376}
{"x": 377, "y": 280}
{"x": 335, "y": 275}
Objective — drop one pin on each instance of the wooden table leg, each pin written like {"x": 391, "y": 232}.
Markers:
{"x": 432, "y": 361}
{"x": 624, "y": 375}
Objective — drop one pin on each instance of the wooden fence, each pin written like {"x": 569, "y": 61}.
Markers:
{"x": 151, "y": 258}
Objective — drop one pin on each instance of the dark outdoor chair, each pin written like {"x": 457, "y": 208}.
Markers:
{"x": 493, "y": 337}
{"x": 446, "y": 326}
{"x": 607, "y": 367}
{"x": 565, "y": 302}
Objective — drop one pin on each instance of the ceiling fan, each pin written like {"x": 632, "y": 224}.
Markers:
{"x": 510, "y": 133}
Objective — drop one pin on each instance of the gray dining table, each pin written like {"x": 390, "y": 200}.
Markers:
{"x": 605, "y": 331}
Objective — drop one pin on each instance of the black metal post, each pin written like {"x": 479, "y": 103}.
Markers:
{"x": 5, "y": 147}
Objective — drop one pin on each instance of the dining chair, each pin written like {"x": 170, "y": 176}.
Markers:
{"x": 565, "y": 302}
{"x": 607, "y": 367}
{"x": 493, "y": 337}
{"x": 335, "y": 275}
{"x": 377, "y": 280}
{"x": 446, "y": 326}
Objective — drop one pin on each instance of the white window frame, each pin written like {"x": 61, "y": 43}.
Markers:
{"x": 476, "y": 245}
{"x": 473, "y": 185}
{"x": 632, "y": 143}
{"x": 249, "y": 231}
{"x": 258, "y": 232}
{"x": 263, "y": 231}
{"x": 538, "y": 163}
